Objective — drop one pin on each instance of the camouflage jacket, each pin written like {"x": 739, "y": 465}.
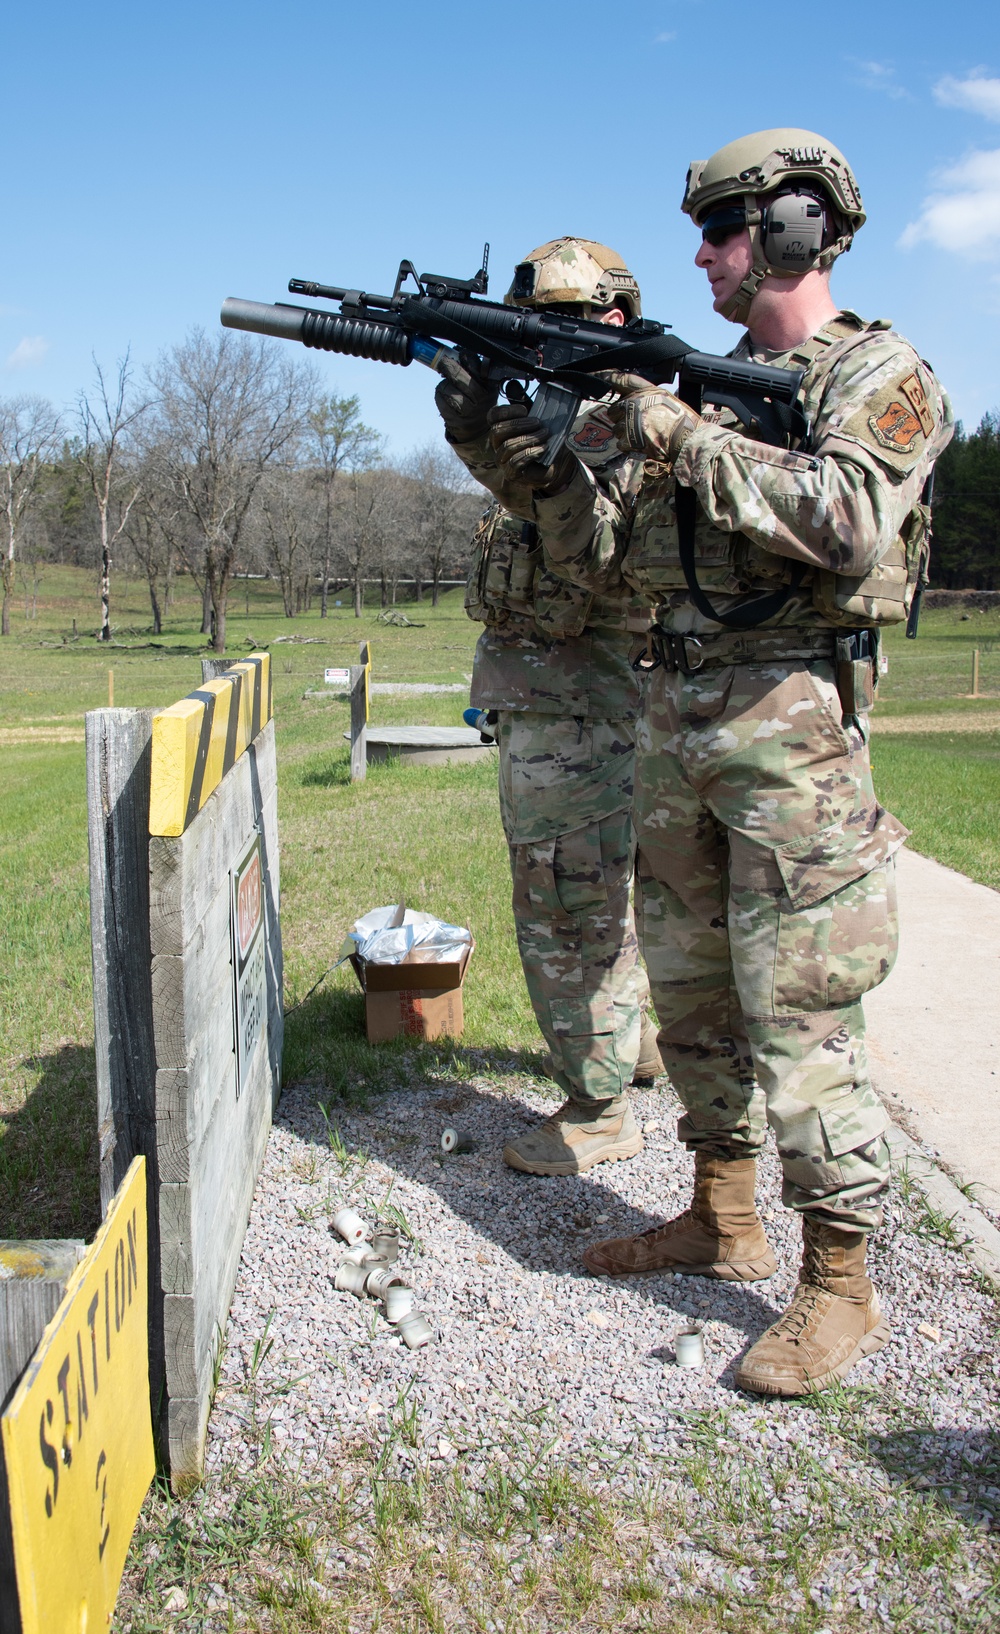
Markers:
{"x": 843, "y": 522}
{"x": 549, "y": 645}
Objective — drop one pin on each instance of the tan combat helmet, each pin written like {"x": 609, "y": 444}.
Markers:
{"x": 796, "y": 170}
{"x": 574, "y": 272}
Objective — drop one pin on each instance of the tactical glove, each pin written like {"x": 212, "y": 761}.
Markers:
{"x": 649, "y": 420}
{"x": 463, "y": 401}
{"x": 520, "y": 440}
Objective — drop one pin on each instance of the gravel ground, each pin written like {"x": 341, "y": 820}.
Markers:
{"x": 530, "y": 1348}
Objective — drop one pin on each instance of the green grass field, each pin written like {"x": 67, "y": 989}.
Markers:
{"x": 432, "y": 836}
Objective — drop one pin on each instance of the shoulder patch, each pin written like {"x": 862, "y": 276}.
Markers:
{"x": 593, "y": 437}
{"x": 913, "y": 391}
{"x": 897, "y": 427}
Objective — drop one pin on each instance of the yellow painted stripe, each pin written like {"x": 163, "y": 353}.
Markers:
{"x": 191, "y": 754}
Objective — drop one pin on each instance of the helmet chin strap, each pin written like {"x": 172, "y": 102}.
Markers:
{"x": 737, "y": 307}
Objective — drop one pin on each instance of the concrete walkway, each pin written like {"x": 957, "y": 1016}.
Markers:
{"x": 933, "y": 1026}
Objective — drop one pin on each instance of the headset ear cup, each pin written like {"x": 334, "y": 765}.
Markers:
{"x": 792, "y": 233}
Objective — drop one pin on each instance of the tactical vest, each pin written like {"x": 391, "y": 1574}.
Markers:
{"x": 733, "y": 565}
{"x": 508, "y": 580}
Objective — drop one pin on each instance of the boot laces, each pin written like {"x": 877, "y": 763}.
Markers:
{"x": 796, "y": 1319}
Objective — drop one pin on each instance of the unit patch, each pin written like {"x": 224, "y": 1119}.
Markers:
{"x": 595, "y": 438}
{"x": 913, "y": 391}
{"x": 896, "y": 428}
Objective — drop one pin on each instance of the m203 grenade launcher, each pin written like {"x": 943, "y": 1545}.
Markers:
{"x": 509, "y": 346}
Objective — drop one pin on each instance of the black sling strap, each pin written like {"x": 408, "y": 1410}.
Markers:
{"x": 755, "y": 610}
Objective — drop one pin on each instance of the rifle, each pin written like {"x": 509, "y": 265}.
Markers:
{"x": 446, "y": 317}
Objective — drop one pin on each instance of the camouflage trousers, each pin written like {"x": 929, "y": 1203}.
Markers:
{"x": 765, "y": 902}
{"x": 565, "y": 801}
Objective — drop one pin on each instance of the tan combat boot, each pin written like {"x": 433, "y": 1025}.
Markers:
{"x": 576, "y": 1137}
{"x": 833, "y": 1321}
{"x": 720, "y": 1235}
{"x": 649, "y": 1066}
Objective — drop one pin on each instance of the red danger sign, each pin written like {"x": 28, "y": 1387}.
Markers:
{"x": 249, "y": 959}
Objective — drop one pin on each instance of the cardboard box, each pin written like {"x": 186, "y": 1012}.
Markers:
{"x": 414, "y": 998}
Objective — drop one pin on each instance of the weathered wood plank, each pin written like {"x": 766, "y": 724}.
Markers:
{"x": 118, "y": 759}
{"x": 118, "y": 763}
{"x": 359, "y": 723}
{"x": 33, "y": 1278}
{"x": 185, "y": 871}
{"x": 211, "y": 1140}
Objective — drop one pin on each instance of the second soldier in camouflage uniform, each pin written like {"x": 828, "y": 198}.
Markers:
{"x": 553, "y": 666}
{"x": 765, "y": 860}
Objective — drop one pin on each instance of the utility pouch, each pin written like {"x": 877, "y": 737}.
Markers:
{"x": 856, "y": 661}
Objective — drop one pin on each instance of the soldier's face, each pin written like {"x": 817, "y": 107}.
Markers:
{"x": 726, "y": 264}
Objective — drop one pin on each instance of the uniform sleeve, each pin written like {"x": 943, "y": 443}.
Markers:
{"x": 584, "y": 529}
{"x": 481, "y": 462}
{"x": 882, "y": 423}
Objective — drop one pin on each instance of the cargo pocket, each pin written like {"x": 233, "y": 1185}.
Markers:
{"x": 837, "y": 925}
{"x": 584, "y": 1043}
{"x": 852, "y": 1122}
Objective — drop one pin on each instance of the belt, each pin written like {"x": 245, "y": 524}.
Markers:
{"x": 687, "y": 654}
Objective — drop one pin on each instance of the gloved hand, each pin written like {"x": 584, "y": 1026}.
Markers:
{"x": 463, "y": 401}
{"x": 520, "y": 440}
{"x": 649, "y": 420}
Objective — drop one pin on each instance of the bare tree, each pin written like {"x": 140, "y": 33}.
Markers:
{"x": 338, "y": 440}
{"x": 229, "y": 408}
{"x": 367, "y": 513}
{"x": 150, "y": 531}
{"x": 107, "y": 418}
{"x": 284, "y": 525}
{"x": 443, "y": 513}
{"x": 29, "y": 436}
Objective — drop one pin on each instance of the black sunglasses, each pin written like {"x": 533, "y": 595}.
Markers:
{"x": 722, "y": 224}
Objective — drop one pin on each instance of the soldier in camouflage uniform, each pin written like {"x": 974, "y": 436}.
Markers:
{"x": 553, "y": 665}
{"x": 765, "y": 860}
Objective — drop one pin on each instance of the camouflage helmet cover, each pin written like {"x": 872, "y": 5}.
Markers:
{"x": 755, "y": 167}
{"x": 574, "y": 271}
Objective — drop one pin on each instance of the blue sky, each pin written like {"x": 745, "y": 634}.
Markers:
{"x": 161, "y": 158}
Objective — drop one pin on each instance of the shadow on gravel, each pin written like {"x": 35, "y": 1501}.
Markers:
{"x": 542, "y": 1223}
{"x": 960, "y": 1467}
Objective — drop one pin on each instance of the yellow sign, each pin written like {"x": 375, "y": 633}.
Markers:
{"x": 196, "y": 741}
{"x": 77, "y": 1435}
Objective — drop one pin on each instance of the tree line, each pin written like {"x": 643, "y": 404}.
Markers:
{"x": 966, "y": 550}
{"x": 224, "y": 458}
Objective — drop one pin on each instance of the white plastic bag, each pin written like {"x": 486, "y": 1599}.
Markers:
{"x": 378, "y": 938}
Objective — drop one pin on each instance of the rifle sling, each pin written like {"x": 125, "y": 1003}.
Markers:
{"x": 757, "y": 608}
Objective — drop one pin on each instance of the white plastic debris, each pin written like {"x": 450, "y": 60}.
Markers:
{"x": 449, "y": 1140}
{"x": 689, "y": 1346}
{"x": 415, "y": 1330}
{"x": 385, "y": 937}
{"x": 398, "y": 1300}
{"x": 349, "y": 1225}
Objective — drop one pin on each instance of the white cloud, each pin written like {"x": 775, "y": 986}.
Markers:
{"x": 665, "y": 39}
{"x": 976, "y": 92}
{"x": 879, "y": 76}
{"x": 962, "y": 214}
{"x": 27, "y": 352}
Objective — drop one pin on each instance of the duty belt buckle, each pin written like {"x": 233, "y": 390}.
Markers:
{"x": 683, "y": 663}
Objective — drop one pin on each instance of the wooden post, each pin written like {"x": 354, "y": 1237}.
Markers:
{"x": 118, "y": 767}
{"x": 975, "y": 672}
{"x": 365, "y": 651}
{"x": 359, "y": 724}
{"x": 212, "y": 668}
{"x": 33, "y": 1277}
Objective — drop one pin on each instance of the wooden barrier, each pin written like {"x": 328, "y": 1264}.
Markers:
{"x": 76, "y": 1434}
{"x": 33, "y": 1278}
{"x": 188, "y": 1004}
